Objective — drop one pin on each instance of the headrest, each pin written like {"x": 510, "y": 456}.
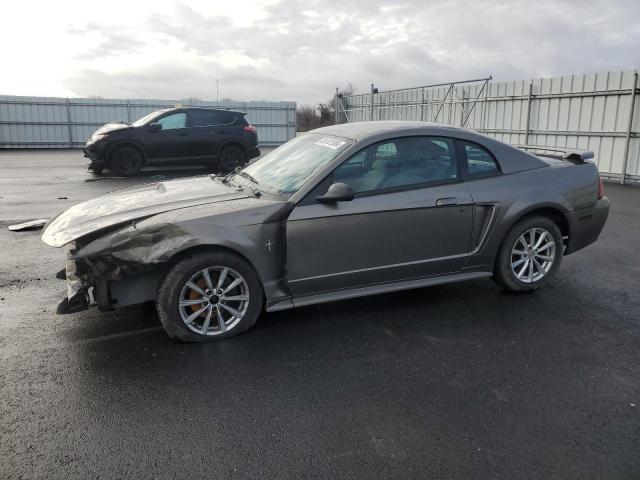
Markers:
{"x": 386, "y": 164}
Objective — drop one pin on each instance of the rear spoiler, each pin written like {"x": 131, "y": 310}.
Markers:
{"x": 562, "y": 153}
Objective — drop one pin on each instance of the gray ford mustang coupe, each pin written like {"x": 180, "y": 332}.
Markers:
{"x": 341, "y": 212}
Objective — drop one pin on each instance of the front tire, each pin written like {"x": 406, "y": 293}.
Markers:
{"x": 209, "y": 296}
{"x": 530, "y": 254}
{"x": 126, "y": 161}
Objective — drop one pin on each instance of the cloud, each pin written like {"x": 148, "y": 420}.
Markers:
{"x": 301, "y": 50}
{"x": 112, "y": 40}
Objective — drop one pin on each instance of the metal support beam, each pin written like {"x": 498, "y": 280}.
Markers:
{"x": 627, "y": 141}
{"x": 528, "y": 124}
{"x": 371, "y": 112}
{"x": 485, "y": 104}
{"x": 70, "y": 128}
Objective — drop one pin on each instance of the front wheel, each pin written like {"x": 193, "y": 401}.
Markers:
{"x": 530, "y": 254}
{"x": 126, "y": 161}
{"x": 209, "y": 296}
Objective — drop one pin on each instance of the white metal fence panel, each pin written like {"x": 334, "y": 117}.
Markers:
{"x": 53, "y": 122}
{"x": 599, "y": 112}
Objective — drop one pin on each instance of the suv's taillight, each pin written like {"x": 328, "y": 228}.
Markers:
{"x": 600, "y": 190}
{"x": 250, "y": 128}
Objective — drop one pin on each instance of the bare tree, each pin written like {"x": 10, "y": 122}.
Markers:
{"x": 309, "y": 118}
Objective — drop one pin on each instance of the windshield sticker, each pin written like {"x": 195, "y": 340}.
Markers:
{"x": 330, "y": 142}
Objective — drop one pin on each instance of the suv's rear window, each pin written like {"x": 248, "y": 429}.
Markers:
{"x": 204, "y": 118}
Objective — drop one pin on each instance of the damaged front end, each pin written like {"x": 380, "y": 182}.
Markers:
{"x": 104, "y": 271}
{"x": 77, "y": 298}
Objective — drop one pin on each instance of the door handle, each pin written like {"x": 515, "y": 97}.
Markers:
{"x": 183, "y": 134}
{"x": 443, "y": 202}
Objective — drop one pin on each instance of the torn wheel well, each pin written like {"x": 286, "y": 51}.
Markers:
{"x": 203, "y": 249}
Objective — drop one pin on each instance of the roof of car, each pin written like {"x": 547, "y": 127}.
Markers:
{"x": 511, "y": 159}
{"x": 208, "y": 108}
{"x": 359, "y": 130}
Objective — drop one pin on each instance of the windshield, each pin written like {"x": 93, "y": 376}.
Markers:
{"x": 147, "y": 118}
{"x": 288, "y": 167}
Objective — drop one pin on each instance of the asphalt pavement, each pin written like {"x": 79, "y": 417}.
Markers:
{"x": 457, "y": 381}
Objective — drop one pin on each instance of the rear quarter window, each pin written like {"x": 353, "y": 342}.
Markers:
{"x": 478, "y": 161}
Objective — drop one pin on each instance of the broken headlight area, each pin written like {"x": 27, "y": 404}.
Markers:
{"x": 92, "y": 268}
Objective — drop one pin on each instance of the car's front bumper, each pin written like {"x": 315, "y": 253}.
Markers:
{"x": 96, "y": 152}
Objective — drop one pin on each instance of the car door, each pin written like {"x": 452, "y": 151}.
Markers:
{"x": 205, "y": 126}
{"x": 171, "y": 141}
{"x": 411, "y": 217}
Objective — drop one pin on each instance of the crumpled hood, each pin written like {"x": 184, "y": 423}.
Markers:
{"x": 129, "y": 204}
{"x": 111, "y": 127}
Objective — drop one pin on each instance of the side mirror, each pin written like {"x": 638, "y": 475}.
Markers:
{"x": 155, "y": 127}
{"x": 338, "y": 192}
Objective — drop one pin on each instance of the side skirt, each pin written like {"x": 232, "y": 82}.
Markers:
{"x": 286, "y": 303}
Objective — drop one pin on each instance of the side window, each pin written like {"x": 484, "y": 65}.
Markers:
{"x": 398, "y": 163}
{"x": 479, "y": 162}
{"x": 205, "y": 118}
{"x": 176, "y": 120}
{"x": 227, "y": 117}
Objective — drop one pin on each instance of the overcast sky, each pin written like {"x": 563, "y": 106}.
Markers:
{"x": 302, "y": 50}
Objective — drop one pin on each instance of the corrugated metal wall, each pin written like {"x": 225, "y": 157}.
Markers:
{"x": 52, "y": 122}
{"x": 589, "y": 111}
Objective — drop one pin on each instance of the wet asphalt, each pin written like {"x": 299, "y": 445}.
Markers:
{"x": 457, "y": 381}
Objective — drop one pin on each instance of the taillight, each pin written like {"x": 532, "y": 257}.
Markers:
{"x": 250, "y": 128}
{"x": 600, "y": 190}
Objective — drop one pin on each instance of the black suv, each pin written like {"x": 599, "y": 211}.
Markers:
{"x": 223, "y": 139}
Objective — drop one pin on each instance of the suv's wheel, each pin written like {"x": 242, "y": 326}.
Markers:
{"x": 231, "y": 156}
{"x": 529, "y": 255}
{"x": 209, "y": 296}
{"x": 126, "y": 161}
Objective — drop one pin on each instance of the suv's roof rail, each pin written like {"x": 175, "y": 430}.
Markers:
{"x": 564, "y": 153}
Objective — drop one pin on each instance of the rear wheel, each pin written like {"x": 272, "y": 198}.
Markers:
{"x": 530, "y": 254}
{"x": 231, "y": 157}
{"x": 209, "y": 296}
{"x": 126, "y": 161}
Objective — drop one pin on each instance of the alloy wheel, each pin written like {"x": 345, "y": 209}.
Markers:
{"x": 532, "y": 255}
{"x": 213, "y": 300}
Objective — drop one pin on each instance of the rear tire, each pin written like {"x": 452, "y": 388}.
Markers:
{"x": 194, "y": 308}
{"x": 231, "y": 157}
{"x": 530, "y": 255}
{"x": 126, "y": 161}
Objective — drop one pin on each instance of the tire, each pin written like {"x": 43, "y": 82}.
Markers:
{"x": 187, "y": 322}
{"x": 231, "y": 157}
{"x": 518, "y": 267}
{"x": 97, "y": 169}
{"x": 126, "y": 161}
